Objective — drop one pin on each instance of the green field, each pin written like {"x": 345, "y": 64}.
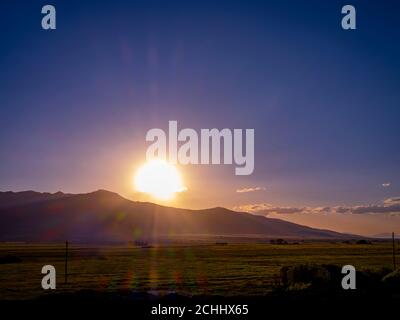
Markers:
{"x": 211, "y": 269}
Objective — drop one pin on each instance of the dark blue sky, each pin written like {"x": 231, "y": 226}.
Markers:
{"x": 76, "y": 103}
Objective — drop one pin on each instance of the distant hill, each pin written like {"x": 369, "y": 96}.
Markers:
{"x": 386, "y": 236}
{"x": 104, "y": 216}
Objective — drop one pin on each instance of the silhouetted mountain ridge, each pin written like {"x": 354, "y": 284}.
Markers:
{"x": 10, "y": 198}
{"x": 103, "y": 216}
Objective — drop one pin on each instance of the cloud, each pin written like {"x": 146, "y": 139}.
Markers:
{"x": 265, "y": 209}
{"x": 392, "y": 201}
{"x": 390, "y": 206}
{"x": 250, "y": 189}
{"x": 386, "y": 184}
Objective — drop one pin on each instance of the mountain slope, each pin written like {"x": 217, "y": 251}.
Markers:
{"x": 9, "y": 198}
{"x": 103, "y": 216}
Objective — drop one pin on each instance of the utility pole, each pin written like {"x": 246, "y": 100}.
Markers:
{"x": 394, "y": 252}
{"x": 66, "y": 262}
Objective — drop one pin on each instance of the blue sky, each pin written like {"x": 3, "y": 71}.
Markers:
{"x": 76, "y": 103}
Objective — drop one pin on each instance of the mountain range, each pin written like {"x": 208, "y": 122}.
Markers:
{"x": 104, "y": 216}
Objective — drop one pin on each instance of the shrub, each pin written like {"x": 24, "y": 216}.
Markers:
{"x": 10, "y": 259}
{"x": 300, "y": 286}
{"x": 305, "y": 273}
{"x": 392, "y": 280}
{"x": 362, "y": 241}
{"x": 278, "y": 241}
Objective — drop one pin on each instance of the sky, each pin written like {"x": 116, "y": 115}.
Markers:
{"x": 76, "y": 102}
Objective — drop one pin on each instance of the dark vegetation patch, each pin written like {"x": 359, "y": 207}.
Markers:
{"x": 9, "y": 259}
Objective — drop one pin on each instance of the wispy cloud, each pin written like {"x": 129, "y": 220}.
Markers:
{"x": 265, "y": 209}
{"x": 250, "y": 189}
{"x": 389, "y": 206}
{"x": 392, "y": 201}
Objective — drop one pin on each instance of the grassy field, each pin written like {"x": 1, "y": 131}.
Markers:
{"x": 212, "y": 269}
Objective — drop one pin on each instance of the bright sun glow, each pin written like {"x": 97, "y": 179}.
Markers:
{"x": 160, "y": 179}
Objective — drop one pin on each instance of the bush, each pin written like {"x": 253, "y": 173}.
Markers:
{"x": 10, "y": 259}
{"x": 278, "y": 241}
{"x": 329, "y": 277}
{"x": 308, "y": 273}
{"x": 300, "y": 286}
{"x": 392, "y": 280}
{"x": 363, "y": 242}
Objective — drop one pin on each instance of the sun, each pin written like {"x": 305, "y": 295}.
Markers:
{"x": 159, "y": 179}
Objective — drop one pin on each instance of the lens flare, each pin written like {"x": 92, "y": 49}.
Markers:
{"x": 160, "y": 179}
